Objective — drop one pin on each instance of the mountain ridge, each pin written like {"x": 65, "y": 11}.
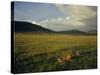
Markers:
{"x": 21, "y": 26}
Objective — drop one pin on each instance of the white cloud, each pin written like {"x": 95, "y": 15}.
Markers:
{"x": 78, "y": 17}
{"x": 59, "y": 19}
{"x": 34, "y": 22}
{"x": 67, "y": 18}
{"x": 77, "y": 13}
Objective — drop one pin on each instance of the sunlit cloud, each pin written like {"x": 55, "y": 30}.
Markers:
{"x": 34, "y": 22}
{"x": 76, "y": 19}
{"x": 59, "y": 19}
{"x": 79, "y": 16}
{"x": 77, "y": 13}
{"x": 67, "y": 18}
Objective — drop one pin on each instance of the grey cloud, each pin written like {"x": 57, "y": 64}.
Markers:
{"x": 82, "y": 17}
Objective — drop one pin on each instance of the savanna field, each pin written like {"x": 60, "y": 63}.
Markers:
{"x": 54, "y": 52}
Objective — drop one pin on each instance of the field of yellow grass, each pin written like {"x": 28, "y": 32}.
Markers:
{"x": 54, "y": 52}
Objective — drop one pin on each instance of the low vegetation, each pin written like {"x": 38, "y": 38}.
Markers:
{"x": 54, "y": 52}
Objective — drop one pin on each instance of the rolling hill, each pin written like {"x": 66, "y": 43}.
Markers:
{"x": 92, "y": 31}
{"x": 73, "y": 32}
{"x": 28, "y": 27}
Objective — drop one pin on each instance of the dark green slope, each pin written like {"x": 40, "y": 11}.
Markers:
{"x": 20, "y": 26}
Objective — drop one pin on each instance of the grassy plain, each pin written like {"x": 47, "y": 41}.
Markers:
{"x": 54, "y": 52}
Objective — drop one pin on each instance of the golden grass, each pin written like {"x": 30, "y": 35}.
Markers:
{"x": 35, "y": 44}
{"x": 33, "y": 49}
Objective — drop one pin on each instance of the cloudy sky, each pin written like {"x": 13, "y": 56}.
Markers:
{"x": 57, "y": 17}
